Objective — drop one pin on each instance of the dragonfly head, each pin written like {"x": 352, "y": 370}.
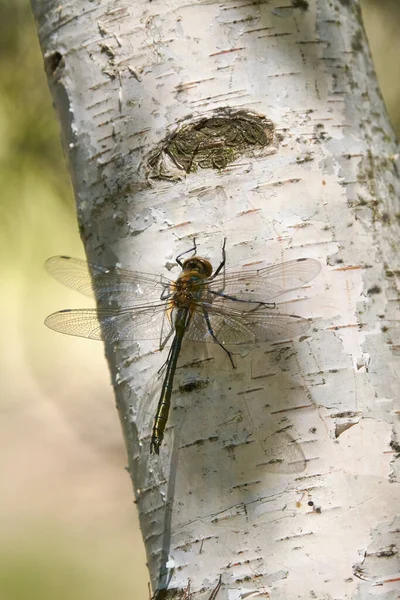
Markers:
{"x": 198, "y": 266}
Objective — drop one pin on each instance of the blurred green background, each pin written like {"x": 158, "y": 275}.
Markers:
{"x": 69, "y": 528}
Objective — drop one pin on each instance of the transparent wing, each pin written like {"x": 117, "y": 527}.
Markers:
{"x": 231, "y": 326}
{"x": 262, "y": 285}
{"x": 109, "y": 325}
{"x": 272, "y": 327}
{"x": 127, "y": 286}
{"x": 228, "y": 328}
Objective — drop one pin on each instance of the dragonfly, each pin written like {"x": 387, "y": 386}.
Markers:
{"x": 227, "y": 308}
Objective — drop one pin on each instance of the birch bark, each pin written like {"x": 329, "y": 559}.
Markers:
{"x": 124, "y": 76}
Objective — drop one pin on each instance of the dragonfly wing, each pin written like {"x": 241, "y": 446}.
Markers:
{"x": 126, "y": 286}
{"x": 269, "y": 326}
{"x": 109, "y": 325}
{"x": 262, "y": 285}
{"x": 167, "y": 327}
{"x": 72, "y": 272}
{"x": 232, "y": 326}
{"x": 228, "y": 328}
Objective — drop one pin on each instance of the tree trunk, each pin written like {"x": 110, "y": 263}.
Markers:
{"x": 261, "y": 122}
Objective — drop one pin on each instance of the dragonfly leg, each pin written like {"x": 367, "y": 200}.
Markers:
{"x": 194, "y": 250}
{"x": 258, "y": 304}
{"x": 222, "y": 263}
{"x": 216, "y": 340}
{"x": 164, "y": 342}
{"x": 166, "y": 293}
{"x": 168, "y": 357}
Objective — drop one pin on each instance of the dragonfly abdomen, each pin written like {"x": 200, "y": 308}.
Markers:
{"x": 160, "y": 420}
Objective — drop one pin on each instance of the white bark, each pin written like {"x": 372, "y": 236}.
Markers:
{"x": 123, "y": 74}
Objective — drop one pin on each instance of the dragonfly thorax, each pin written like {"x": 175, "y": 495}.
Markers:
{"x": 188, "y": 288}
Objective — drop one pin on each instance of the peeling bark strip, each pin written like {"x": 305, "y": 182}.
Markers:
{"x": 210, "y": 142}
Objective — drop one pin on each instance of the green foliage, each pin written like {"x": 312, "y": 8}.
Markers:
{"x": 29, "y": 135}
{"x": 37, "y": 571}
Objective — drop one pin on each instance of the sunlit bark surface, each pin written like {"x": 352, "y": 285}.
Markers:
{"x": 319, "y": 520}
